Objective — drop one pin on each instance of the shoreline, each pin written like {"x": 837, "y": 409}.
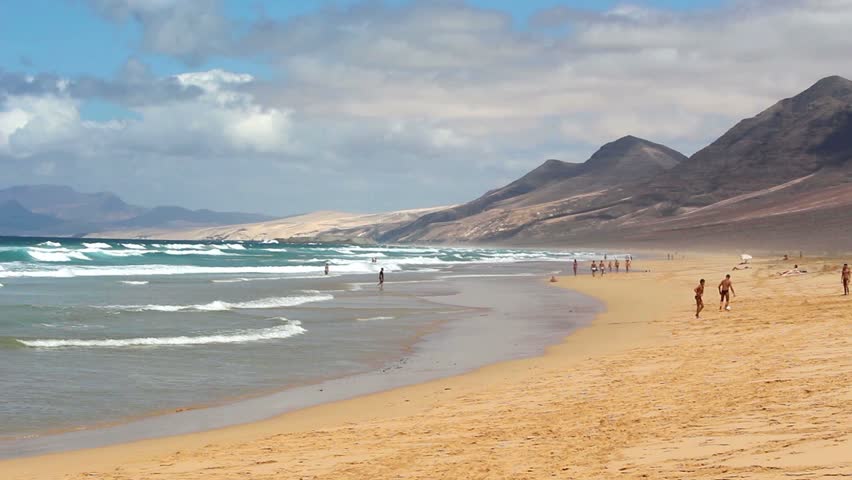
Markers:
{"x": 439, "y": 338}
{"x": 645, "y": 391}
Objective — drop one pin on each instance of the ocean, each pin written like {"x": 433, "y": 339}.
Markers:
{"x": 96, "y": 333}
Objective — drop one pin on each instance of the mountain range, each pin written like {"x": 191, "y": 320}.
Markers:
{"x": 55, "y": 210}
{"x": 778, "y": 179}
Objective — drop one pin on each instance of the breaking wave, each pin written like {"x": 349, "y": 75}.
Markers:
{"x": 222, "y": 306}
{"x": 288, "y": 329}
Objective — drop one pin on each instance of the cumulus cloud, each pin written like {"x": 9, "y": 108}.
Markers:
{"x": 394, "y": 105}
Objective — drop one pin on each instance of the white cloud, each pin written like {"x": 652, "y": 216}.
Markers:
{"x": 441, "y": 100}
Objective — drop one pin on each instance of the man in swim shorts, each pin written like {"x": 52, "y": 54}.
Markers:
{"x": 726, "y": 288}
{"x": 699, "y": 300}
{"x": 594, "y": 267}
{"x": 845, "y": 276}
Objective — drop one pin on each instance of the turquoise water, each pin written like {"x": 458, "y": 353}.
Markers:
{"x": 101, "y": 331}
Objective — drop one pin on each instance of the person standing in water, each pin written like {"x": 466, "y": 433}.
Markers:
{"x": 326, "y": 268}
{"x": 845, "y": 276}
{"x": 575, "y": 267}
{"x": 699, "y": 298}
{"x": 382, "y": 278}
{"x": 726, "y": 288}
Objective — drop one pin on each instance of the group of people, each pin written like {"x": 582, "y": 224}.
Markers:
{"x": 603, "y": 266}
{"x": 726, "y": 289}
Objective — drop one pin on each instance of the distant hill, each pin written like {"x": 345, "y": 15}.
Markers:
{"x": 15, "y": 217}
{"x": 60, "y": 210}
{"x": 545, "y": 193}
{"x": 781, "y": 179}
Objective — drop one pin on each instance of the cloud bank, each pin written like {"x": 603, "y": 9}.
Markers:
{"x": 383, "y": 106}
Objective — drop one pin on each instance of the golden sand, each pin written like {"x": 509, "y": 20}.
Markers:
{"x": 762, "y": 391}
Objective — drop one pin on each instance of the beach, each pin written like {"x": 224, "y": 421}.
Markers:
{"x": 645, "y": 391}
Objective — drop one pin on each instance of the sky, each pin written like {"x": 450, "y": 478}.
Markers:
{"x": 284, "y": 107}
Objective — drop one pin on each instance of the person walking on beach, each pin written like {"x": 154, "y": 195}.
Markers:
{"x": 575, "y": 267}
{"x": 616, "y": 265}
{"x": 726, "y": 288}
{"x": 699, "y": 298}
{"x": 602, "y": 268}
{"x": 845, "y": 276}
{"x": 609, "y": 265}
{"x": 382, "y": 278}
{"x": 326, "y": 268}
{"x": 627, "y": 265}
{"x": 594, "y": 268}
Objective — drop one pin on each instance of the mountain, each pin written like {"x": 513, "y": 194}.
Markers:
{"x": 774, "y": 179}
{"x": 61, "y": 211}
{"x": 65, "y": 203}
{"x": 794, "y": 138}
{"x": 552, "y": 190}
{"x": 15, "y": 216}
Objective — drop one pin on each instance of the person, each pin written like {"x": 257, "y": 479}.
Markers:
{"x": 575, "y": 267}
{"x": 382, "y": 277}
{"x": 553, "y": 279}
{"x": 845, "y": 276}
{"x": 627, "y": 263}
{"x": 616, "y": 265}
{"x": 699, "y": 300}
{"x": 326, "y": 268}
{"x": 609, "y": 265}
{"x": 602, "y": 268}
{"x": 594, "y": 268}
{"x": 726, "y": 288}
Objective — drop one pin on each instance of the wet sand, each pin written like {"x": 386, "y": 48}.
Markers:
{"x": 646, "y": 391}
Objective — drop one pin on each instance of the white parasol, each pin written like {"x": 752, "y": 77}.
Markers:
{"x": 745, "y": 257}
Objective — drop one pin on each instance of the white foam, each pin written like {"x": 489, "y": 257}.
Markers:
{"x": 149, "y": 270}
{"x": 212, "y": 252}
{"x": 98, "y": 245}
{"x": 133, "y": 246}
{"x": 183, "y": 246}
{"x": 288, "y": 329}
{"x": 123, "y": 253}
{"x": 48, "y": 256}
{"x": 134, "y": 282}
{"x": 50, "y": 244}
{"x": 371, "y": 319}
{"x": 232, "y": 246}
{"x": 223, "y": 306}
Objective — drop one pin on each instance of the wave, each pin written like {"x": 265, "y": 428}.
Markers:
{"x": 288, "y": 329}
{"x": 49, "y": 244}
{"x": 48, "y": 256}
{"x": 133, "y": 246}
{"x": 152, "y": 270}
{"x": 183, "y": 246}
{"x": 222, "y": 306}
{"x": 231, "y": 246}
{"x": 212, "y": 252}
{"x": 134, "y": 282}
{"x": 370, "y": 319}
{"x": 97, "y": 245}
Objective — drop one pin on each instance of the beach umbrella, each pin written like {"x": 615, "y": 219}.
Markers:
{"x": 745, "y": 257}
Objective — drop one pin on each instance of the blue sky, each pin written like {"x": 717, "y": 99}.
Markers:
{"x": 396, "y": 103}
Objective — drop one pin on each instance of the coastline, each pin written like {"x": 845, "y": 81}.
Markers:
{"x": 644, "y": 391}
{"x": 440, "y": 349}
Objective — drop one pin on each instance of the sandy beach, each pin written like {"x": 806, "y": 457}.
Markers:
{"x": 647, "y": 391}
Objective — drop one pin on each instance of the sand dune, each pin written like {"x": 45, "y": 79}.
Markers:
{"x": 318, "y": 226}
{"x": 647, "y": 391}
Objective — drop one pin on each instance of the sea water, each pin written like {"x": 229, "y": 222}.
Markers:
{"x": 93, "y": 332}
